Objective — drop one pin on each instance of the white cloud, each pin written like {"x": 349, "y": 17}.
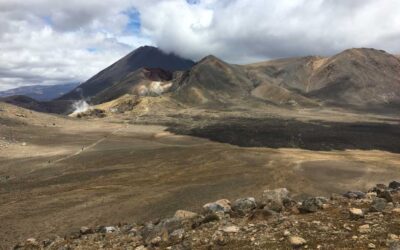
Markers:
{"x": 248, "y": 30}
{"x": 56, "y": 41}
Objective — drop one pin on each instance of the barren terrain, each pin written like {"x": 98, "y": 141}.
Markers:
{"x": 57, "y": 173}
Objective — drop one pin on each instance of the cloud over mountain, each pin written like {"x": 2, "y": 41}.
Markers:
{"x": 54, "y": 41}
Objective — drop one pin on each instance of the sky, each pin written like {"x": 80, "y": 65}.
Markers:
{"x": 57, "y": 41}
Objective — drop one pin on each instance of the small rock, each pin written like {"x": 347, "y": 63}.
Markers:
{"x": 396, "y": 211}
{"x": 371, "y": 246}
{"x": 141, "y": 248}
{"x": 378, "y": 205}
{"x": 364, "y": 229}
{"x": 230, "y": 229}
{"x": 394, "y": 246}
{"x": 286, "y": 233}
{"x": 297, "y": 241}
{"x": 393, "y": 237}
{"x": 354, "y": 195}
{"x": 218, "y": 238}
{"x": 32, "y": 242}
{"x": 262, "y": 214}
{"x": 85, "y": 230}
{"x": 177, "y": 236}
{"x": 156, "y": 241}
{"x": 244, "y": 205}
{"x": 223, "y": 205}
{"x": 394, "y": 185}
{"x": 387, "y": 195}
{"x": 108, "y": 229}
{"x": 371, "y": 195}
{"x": 356, "y": 213}
{"x": 185, "y": 215}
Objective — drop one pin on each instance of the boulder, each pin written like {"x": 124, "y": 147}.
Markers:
{"x": 311, "y": 205}
{"x": 244, "y": 205}
{"x": 378, "y": 205}
{"x": 275, "y": 199}
{"x": 223, "y": 205}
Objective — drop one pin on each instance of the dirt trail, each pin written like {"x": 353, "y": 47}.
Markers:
{"x": 94, "y": 144}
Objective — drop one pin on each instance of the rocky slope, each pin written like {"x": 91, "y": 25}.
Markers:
{"x": 364, "y": 78}
{"x": 354, "y": 220}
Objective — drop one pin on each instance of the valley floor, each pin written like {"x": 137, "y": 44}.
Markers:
{"x": 60, "y": 174}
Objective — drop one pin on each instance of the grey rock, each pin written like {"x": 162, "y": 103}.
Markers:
{"x": 244, "y": 205}
{"x": 379, "y": 188}
{"x": 275, "y": 199}
{"x": 354, "y": 195}
{"x": 378, "y": 205}
{"x": 223, "y": 205}
{"x": 311, "y": 205}
{"x": 166, "y": 226}
{"x": 394, "y": 185}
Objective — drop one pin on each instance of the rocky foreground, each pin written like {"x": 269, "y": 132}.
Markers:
{"x": 355, "y": 220}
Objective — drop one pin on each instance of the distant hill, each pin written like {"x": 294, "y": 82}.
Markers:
{"x": 55, "y": 106}
{"x": 214, "y": 82}
{"x": 358, "y": 78}
{"x": 40, "y": 92}
{"x": 143, "y": 57}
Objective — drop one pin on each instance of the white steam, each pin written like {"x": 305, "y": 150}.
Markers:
{"x": 154, "y": 89}
{"x": 80, "y": 106}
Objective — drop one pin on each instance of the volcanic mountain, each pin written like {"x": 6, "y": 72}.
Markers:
{"x": 143, "y": 57}
{"x": 143, "y": 81}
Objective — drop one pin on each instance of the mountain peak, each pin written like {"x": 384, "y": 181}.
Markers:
{"x": 210, "y": 59}
{"x": 363, "y": 51}
{"x": 142, "y": 57}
